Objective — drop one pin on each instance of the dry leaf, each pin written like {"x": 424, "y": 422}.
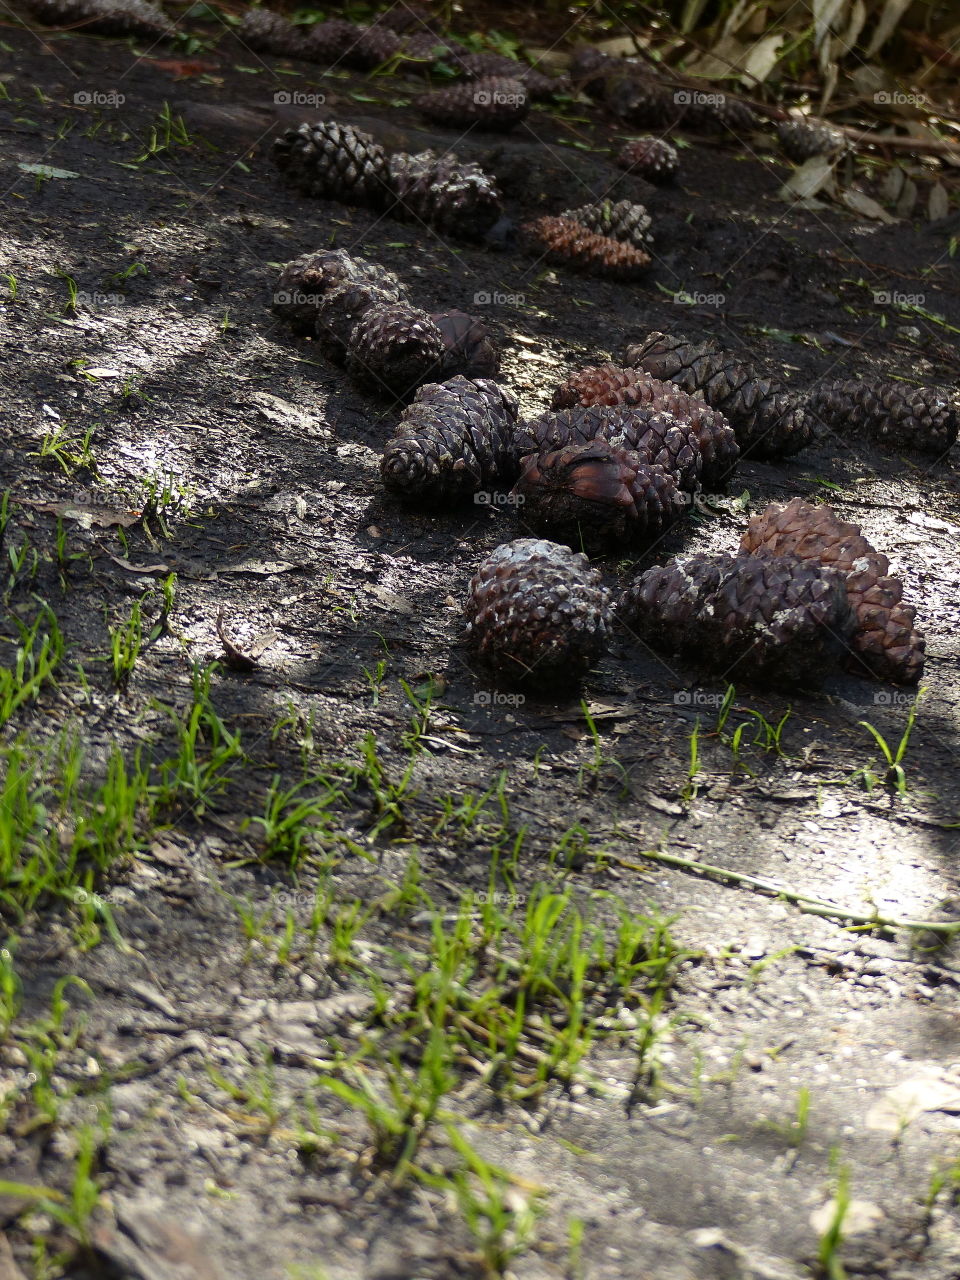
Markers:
{"x": 903, "y": 1103}
{"x": 938, "y": 203}
{"x": 762, "y": 58}
{"x": 810, "y": 178}
{"x": 865, "y": 205}
{"x": 860, "y": 1216}
{"x": 893, "y": 11}
{"x": 84, "y": 514}
{"x": 238, "y": 659}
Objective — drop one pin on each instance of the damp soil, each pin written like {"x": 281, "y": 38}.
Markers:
{"x": 256, "y": 463}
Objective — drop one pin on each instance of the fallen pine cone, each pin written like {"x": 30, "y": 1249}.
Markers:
{"x": 892, "y": 413}
{"x": 343, "y": 306}
{"x": 652, "y": 158}
{"x": 608, "y": 384}
{"x": 482, "y": 66}
{"x": 885, "y": 642}
{"x": 623, "y": 220}
{"x": 597, "y": 494}
{"x": 769, "y": 421}
{"x": 305, "y": 281}
{"x": 656, "y": 436}
{"x": 494, "y": 102}
{"x": 453, "y": 441}
{"x": 778, "y": 619}
{"x": 801, "y": 140}
{"x": 393, "y": 349}
{"x": 468, "y": 346}
{"x": 570, "y": 244}
{"x": 454, "y": 198}
{"x": 329, "y": 160}
{"x": 538, "y": 613}
{"x": 105, "y": 17}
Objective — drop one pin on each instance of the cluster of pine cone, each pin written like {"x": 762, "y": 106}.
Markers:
{"x": 804, "y": 594}
{"x": 358, "y": 312}
{"x": 333, "y": 161}
{"x": 105, "y": 17}
{"x": 605, "y": 239}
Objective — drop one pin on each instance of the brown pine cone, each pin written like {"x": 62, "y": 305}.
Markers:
{"x": 394, "y": 349}
{"x": 481, "y": 66}
{"x": 538, "y": 613}
{"x": 453, "y": 441}
{"x": 328, "y": 43}
{"x": 656, "y": 436}
{"x": 885, "y": 642}
{"x": 371, "y": 48}
{"x": 801, "y": 140}
{"x": 596, "y": 495}
{"x": 762, "y": 618}
{"x": 343, "y": 306}
{"x": 892, "y": 413}
{"x": 652, "y": 158}
{"x": 622, "y": 220}
{"x": 608, "y": 384}
{"x": 270, "y": 32}
{"x": 403, "y": 17}
{"x": 569, "y": 244}
{"x": 104, "y": 17}
{"x": 589, "y": 68}
{"x": 496, "y": 103}
{"x": 328, "y": 160}
{"x": 769, "y": 420}
{"x": 453, "y": 198}
{"x": 468, "y": 346}
{"x": 305, "y": 281}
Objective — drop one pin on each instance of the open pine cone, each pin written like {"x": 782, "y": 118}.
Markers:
{"x": 305, "y": 281}
{"x": 494, "y": 102}
{"x": 894, "y": 414}
{"x": 651, "y": 158}
{"x": 621, "y": 220}
{"x": 343, "y": 306}
{"x": 885, "y": 642}
{"x": 334, "y": 161}
{"x": 454, "y": 198}
{"x": 538, "y": 613}
{"x": 569, "y": 244}
{"x": 393, "y": 349}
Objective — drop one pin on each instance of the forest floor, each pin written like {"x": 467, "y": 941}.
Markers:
{"x": 337, "y": 962}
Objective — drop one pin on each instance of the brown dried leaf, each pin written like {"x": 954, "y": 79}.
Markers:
{"x": 238, "y": 659}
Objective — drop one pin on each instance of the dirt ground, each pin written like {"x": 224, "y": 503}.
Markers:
{"x": 715, "y": 1120}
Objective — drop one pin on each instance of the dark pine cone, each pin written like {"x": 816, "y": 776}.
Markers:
{"x": 454, "y": 198}
{"x": 607, "y": 384}
{"x": 770, "y": 422}
{"x": 495, "y": 103}
{"x": 638, "y": 98}
{"x": 262, "y": 29}
{"x": 589, "y": 68}
{"x": 892, "y": 413}
{"x": 538, "y": 613}
{"x": 570, "y": 244}
{"x": 334, "y": 161}
{"x": 624, "y": 221}
{"x": 454, "y": 440}
{"x": 776, "y": 619}
{"x": 481, "y": 66}
{"x": 656, "y": 436}
{"x": 343, "y": 306}
{"x": 468, "y": 347}
{"x": 104, "y": 17}
{"x": 652, "y": 158}
{"x": 306, "y": 280}
{"x": 803, "y": 139}
{"x": 885, "y": 642}
{"x": 597, "y": 494}
{"x": 404, "y": 17}
{"x": 371, "y": 47}
{"x": 327, "y": 43}
{"x": 394, "y": 349}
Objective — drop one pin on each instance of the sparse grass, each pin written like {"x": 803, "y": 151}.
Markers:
{"x": 828, "y": 1249}
{"x": 37, "y": 657}
{"x": 295, "y": 817}
{"x": 70, "y": 453}
{"x": 895, "y": 778}
{"x": 207, "y": 752}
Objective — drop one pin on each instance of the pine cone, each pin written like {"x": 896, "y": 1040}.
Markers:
{"x": 656, "y": 436}
{"x": 372, "y": 47}
{"x": 393, "y": 349}
{"x": 481, "y": 66}
{"x": 343, "y": 306}
{"x": 270, "y": 32}
{"x": 635, "y": 96}
{"x": 306, "y": 280}
{"x": 454, "y": 440}
{"x": 597, "y": 494}
{"x": 104, "y": 17}
{"x": 334, "y": 161}
{"x": 538, "y": 613}
{"x": 570, "y": 244}
{"x": 468, "y": 347}
{"x": 885, "y": 641}
{"x": 609, "y": 385}
{"x": 328, "y": 43}
{"x": 769, "y": 421}
{"x": 749, "y": 617}
{"x": 803, "y": 139}
{"x": 495, "y": 103}
{"x": 454, "y": 198}
{"x": 589, "y": 68}
{"x": 652, "y": 158}
{"x": 405, "y": 17}
{"x": 623, "y": 221}
{"x": 892, "y": 413}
